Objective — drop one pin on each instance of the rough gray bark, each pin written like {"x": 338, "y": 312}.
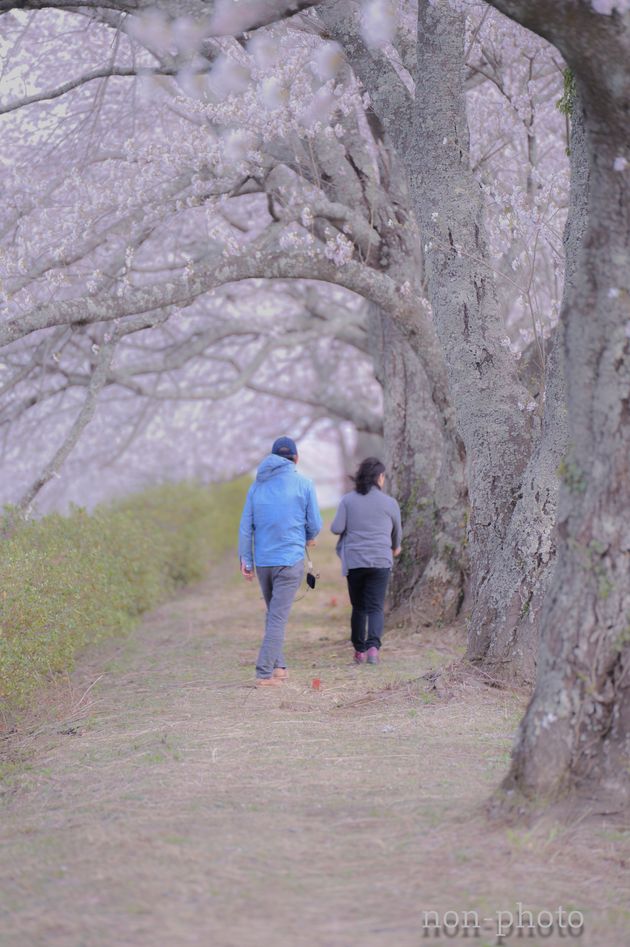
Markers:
{"x": 431, "y": 137}
{"x": 425, "y": 462}
{"x": 505, "y": 624}
{"x": 483, "y": 378}
{"x": 423, "y": 451}
{"x": 576, "y": 732}
{"x": 367, "y": 445}
{"x": 391, "y": 103}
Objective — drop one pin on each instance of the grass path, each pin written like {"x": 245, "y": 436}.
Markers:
{"x": 175, "y": 805}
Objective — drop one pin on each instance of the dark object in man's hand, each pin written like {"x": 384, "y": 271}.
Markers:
{"x": 311, "y": 580}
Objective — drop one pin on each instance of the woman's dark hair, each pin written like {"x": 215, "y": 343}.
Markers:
{"x": 368, "y": 473}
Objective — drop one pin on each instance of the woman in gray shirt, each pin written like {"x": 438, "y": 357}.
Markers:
{"x": 369, "y": 529}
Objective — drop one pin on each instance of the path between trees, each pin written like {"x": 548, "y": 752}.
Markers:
{"x": 172, "y": 804}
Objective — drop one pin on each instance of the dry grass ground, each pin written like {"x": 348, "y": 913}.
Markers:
{"x": 171, "y": 804}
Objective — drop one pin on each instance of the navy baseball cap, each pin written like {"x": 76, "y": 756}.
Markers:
{"x": 284, "y": 447}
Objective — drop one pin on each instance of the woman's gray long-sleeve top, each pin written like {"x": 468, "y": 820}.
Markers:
{"x": 369, "y": 528}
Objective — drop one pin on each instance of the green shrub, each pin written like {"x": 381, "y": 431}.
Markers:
{"x": 66, "y": 581}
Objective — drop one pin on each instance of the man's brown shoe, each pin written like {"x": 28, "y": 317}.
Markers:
{"x": 280, "y": 674}
{"x": 268, "y": 682}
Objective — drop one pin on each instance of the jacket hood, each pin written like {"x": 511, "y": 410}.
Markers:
{"x": 272, "y": 466}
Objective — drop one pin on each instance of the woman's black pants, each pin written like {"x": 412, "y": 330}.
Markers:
{"x": 367, "y": 588}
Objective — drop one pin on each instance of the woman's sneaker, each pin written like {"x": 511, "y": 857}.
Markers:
{"x": 360, "y": 657}
{"x": 372, "y": 655}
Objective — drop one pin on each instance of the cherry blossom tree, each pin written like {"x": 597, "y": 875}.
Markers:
{"x": 299, "y": 188}
{"x": 576, "y": 731}
{"x": 272, "y": 156}
{"x": 492, "y": 223}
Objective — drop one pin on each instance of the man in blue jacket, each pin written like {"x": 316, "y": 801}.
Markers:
{"x": 280, "y": 518}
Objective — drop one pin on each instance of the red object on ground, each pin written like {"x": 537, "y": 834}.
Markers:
{"x": 333, "y": 602}
{"x": 316, "y": 684}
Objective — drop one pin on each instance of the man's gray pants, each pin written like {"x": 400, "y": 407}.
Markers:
{"x": 278, "y": 585}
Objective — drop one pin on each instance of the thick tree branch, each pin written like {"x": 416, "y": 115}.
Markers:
{"x": 341, "y": 408}
{"x": 245, "y": 15}
{"x": 391, "y": 101}
{"x": 104, "y": 73}
{"x": 261, "y": 260}
{"x": 85, "y": 415}
{"x": 252, "y": 14}
{"x": 593, "y": 44}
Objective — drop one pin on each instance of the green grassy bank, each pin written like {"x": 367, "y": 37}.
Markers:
{"x": 67, "y": 581}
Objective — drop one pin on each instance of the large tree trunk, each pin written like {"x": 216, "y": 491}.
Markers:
{"x": 576, "y": 732}
{"x": 431, "y": 138}
{"x": 503, "y": 632}
{"x": 423, "y": 451}
{"x": 505, "y": 623}
{"x": 425, "y": 462}
{"x": 488, "y": 396}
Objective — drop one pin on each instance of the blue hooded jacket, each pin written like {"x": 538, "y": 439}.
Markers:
{"x": 280, "y": 516}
